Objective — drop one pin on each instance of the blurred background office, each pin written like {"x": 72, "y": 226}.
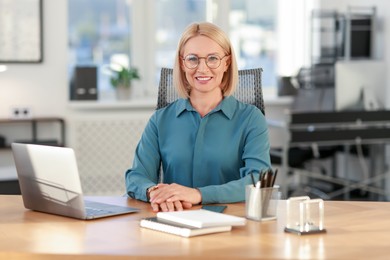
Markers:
{"x": 67, "y": 75}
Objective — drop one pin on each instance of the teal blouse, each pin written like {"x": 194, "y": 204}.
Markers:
{"x": 214, "y": 153}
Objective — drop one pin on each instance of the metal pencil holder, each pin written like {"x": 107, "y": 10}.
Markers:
{"x": 261, "y": 203}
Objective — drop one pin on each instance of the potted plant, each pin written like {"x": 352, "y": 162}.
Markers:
{"x": 121, "y": 78}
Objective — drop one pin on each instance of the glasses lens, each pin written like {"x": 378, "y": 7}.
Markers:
{"x": 213, "y": 61}
{"x": 191, "y": 61}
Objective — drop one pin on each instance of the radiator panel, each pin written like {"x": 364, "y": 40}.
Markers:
{"x": 105, "y": 150}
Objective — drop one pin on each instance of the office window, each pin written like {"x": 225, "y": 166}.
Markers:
{"x": 146, "y": 33}
{"x": 253, "y": 33}
{"x": 169, "y": 26}
{"x": 99, "y": 33}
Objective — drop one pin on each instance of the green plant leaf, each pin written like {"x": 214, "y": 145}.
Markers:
{"x": 124, "y": 77}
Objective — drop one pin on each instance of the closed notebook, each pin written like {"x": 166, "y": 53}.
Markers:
{"x": 201, "y": 218}
{"x": 179, "y": 229}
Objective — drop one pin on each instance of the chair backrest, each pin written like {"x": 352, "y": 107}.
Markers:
{"x": 248, "y": 89}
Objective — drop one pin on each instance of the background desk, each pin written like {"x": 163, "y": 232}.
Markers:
{"x": 348, "y": 128}
{"x": 356, "y": 230}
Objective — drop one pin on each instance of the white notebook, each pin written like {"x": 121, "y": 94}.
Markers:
{"x": 201, "y": 218}
{"x": 180, "y": 229}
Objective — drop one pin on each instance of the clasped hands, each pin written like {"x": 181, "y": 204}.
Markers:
{"x": 173, "y": 197}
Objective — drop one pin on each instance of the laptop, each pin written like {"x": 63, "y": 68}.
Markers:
{"x": 49, "y": 182}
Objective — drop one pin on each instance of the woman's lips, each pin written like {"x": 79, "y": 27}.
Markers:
{"x": 203, "y": 78}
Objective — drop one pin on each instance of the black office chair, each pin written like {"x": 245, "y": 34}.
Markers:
{"x": 248, "y": 89}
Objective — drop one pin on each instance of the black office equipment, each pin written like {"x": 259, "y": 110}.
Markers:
{"x": 84, "y": 83}
{"x": 286, "y": 86}
{"x": 345, "y": 129}
{"x": 2, "y": 141}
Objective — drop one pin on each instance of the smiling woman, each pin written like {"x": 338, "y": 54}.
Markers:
{"x": 187, "y": 139}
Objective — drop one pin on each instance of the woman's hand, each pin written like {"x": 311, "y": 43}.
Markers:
{"x": 171, "y": 206}
{"x": 171, "y": 197}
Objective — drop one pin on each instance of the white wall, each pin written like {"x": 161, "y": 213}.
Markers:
{"x": 293, "y": 35}
{"x": 43, "y": 86}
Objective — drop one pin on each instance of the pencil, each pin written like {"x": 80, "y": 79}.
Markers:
{"x": 274, "y": 177}
{"x": 253, "y": 179}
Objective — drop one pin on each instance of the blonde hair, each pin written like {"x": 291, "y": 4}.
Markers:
{"x": 230, "y": 78}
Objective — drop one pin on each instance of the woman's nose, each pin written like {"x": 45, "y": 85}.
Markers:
{"x": 202, "y": 66}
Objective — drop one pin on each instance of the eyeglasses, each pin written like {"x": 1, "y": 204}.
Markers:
{"x": 192, "y": 61}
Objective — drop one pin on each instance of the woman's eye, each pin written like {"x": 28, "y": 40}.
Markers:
{"x": 192, "y": 59}
{"x": 212, "y": 58}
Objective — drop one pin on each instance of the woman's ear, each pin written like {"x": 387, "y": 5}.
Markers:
{"x": 182, "y": 67}
{"x": 227, "y": 63}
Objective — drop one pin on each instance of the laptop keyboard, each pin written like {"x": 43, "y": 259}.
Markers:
{"x": 96, "y": 212}
{"x": 101, "y": 209}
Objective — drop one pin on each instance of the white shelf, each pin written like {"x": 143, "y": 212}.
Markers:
{"x": 143, "y": 103}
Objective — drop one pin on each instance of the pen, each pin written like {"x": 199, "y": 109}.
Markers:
{"x": 260, "y": 175}
{"x": 265, "y": 182}
{"x": 274, "y": 177}
{"x": 262, "y": 179}
{"x": 253, "y": 179}
{"x": 270, "y": 178}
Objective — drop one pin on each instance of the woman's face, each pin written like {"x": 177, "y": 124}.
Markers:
{"x": 203, "y": 79}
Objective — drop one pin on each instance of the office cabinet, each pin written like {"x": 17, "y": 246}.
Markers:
{"x": 336, "y": 36}
{"x": 33, "y": 124}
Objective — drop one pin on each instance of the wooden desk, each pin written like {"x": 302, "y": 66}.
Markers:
{"x": 356, "y": 230}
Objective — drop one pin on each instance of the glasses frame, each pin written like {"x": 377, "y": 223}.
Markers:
{"x": 205, "y": 59}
